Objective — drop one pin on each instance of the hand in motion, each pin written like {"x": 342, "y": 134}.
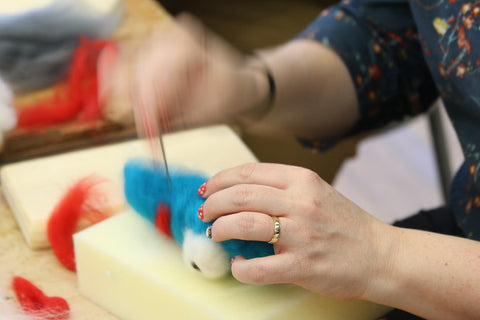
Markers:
{"x": 185, "y": 74}
{"x": 327, "y": 244}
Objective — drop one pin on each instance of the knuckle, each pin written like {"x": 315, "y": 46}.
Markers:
{"x": 309, "y": 235}
{"x": 246, "y": 223}
{"x": 300, "y": 259}
{"x": 309, "y": 205}
{"x": 241, "y": 196}
{"x": 218, "y": 180}
{"x": 310, "y": 176}
{"x": 247, "y": 171}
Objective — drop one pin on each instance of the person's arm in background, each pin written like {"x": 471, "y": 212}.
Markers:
{"x": 195, "y": 78}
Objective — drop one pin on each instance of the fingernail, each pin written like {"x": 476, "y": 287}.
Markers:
{"x": 208, "y": 232}
{"x": 202, "y": 189}
{"x": 200, "y": 212}
{"x": 233, "y": 260}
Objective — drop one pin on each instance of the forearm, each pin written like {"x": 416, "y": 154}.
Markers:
{"x": 315, "y": 96}
{"x": 431, "y": 275}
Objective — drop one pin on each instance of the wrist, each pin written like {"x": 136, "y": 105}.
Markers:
{"x": 261, "y": 86}
{"x": 381, "y": 281}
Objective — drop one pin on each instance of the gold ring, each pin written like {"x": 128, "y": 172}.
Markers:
{"x": 276, "y": 230}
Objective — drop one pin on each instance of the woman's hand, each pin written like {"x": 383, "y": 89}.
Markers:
{"x": 186, "y": 76}
{"x": 327, "y": 244}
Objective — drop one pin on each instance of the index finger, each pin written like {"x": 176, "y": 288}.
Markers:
{"x": 267, "y": 174}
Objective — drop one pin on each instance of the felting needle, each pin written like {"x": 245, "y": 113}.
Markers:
{"x": 147, "y": 125}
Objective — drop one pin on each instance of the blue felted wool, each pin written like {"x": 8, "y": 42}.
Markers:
{"x": 146, "y": 188}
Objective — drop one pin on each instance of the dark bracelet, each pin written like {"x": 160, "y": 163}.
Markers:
{"x": 272, "y": 89}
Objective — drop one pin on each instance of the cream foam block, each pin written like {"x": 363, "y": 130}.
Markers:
{"x": 128, "y": 268}
{"x": 32, "y": 188}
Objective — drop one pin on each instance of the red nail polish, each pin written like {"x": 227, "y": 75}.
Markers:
{"x": 202, "y": 189}
{"x": 200, "y": 212}
{"x": 233, "y": 260}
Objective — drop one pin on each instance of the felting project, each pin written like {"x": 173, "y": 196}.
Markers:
{"x": 37, "y": 38}
{"x": 172, "y": 209}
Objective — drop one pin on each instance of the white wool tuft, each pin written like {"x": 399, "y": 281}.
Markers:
{"x": 209, "y": 257}
{"x": 8, "y": 116}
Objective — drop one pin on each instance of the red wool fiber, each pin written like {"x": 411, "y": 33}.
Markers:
{"x": 81, "y": 201}
{"x": 162, "y": 219}
{"x": 75, "y": 99}
{"x": 34, "y": 302}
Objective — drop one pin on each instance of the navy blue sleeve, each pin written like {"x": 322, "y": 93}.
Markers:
{"x": 379, "y": 44}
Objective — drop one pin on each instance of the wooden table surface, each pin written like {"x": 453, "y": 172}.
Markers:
{"x": 41, "y": 267}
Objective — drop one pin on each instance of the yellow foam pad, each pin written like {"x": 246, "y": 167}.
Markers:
{"x": 127, "y": 267}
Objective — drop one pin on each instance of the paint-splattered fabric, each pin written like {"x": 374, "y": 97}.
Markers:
{"x": 401, "y": 56}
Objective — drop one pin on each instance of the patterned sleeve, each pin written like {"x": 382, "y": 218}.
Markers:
{"x": 379, "y": 44}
